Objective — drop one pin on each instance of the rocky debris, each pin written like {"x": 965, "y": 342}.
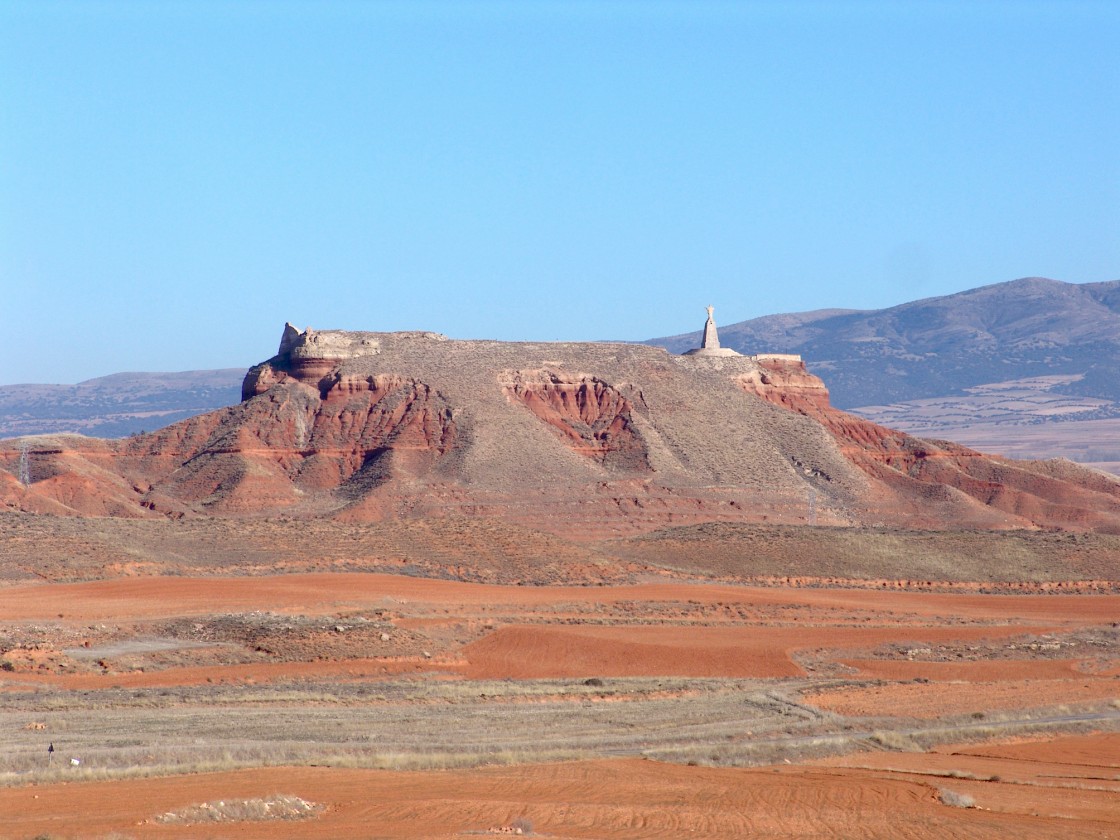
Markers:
{"x": 30, "y": 659}
{"x": 279, "y": 807}
{"x": 32, "y": 647}
{"x": 290, "y": 638}
{"x": 1082, "y": 643}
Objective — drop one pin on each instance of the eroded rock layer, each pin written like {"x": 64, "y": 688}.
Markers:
{"x": 593, "y": 417}
{"x": 581, "y": 439}
{"x": 924, "y": 471}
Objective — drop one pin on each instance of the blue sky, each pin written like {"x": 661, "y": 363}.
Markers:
{"x": 177, "y": 180}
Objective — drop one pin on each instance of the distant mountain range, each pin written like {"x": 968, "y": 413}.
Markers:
{"x": 118, "y": 405}
{"x": 944, "y": 346}
{"x": 1026, "y": 368}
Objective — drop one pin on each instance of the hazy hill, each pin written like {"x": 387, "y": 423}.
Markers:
{"x": 116, "y": 405}
{"x": 946, "y": 345}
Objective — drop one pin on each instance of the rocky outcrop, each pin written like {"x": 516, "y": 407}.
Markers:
{"x": 923, "y": 472}
{"x": 594, "y": 418}
{"x": 784, "y": 381}
{"x": 310, "y": 356}
{"x": 584, "y": 439}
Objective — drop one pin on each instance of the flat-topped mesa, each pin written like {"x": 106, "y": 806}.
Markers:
{"x": 574, "y": 437}
{"x": 709, "y": 346}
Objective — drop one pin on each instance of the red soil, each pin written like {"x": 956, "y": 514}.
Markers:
{"x": 602, "y": 799}
{"x": 985, "y": 671}
{"x": 317, "y": 594}
{"x": 537, "y": 652}
{"x": 688, "y": 629}
{"x": 257, "y": 672}
{"x": 830, "y": 621}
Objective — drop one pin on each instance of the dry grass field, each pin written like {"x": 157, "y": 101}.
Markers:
{"x": 203, "y": 691}
{"x": 68, "y": 549}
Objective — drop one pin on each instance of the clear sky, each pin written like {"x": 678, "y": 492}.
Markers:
{"x": 178, "y": 179}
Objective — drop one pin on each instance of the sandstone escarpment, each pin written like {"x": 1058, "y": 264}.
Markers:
{"x": 584, "y": 439}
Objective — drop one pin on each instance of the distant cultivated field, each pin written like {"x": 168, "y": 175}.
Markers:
{"x": 1095, "y": 443}
{"x": 1023, "y": 419}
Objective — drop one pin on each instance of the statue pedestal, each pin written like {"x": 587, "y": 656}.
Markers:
{"x": 710, "y": 345}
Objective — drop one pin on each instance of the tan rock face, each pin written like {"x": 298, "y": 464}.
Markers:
{"x": 583, "y": 439}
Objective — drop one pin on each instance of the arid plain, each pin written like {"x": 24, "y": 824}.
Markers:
{"x": 653, "y": 702}
{"x": 416, "y": 592}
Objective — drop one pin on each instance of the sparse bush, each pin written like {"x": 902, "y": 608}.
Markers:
{"x": 956, "y": 800}
{"x": 522, "y": 825}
